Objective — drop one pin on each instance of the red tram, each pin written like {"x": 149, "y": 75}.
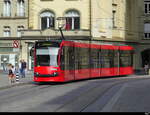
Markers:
{"x": 61, "y": 61}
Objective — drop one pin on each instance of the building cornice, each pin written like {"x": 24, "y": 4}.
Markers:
{"x": 13, "y": 18}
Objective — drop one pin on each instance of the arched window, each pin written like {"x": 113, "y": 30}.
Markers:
{"x": 47, "y": 20}
{"x": 7, "y": 31}
{"x": 147, "y": 6}
{"x": 7, "y": 7}
{"x": 20, "y": 8}
{"x": 19, "y": 29}
{"x": 72, "y": 20}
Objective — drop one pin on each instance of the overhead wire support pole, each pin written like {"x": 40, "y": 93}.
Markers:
{"x": 62, "y": 35}
{"x": 61, "y": 24}
{"x": 90, "y": 16}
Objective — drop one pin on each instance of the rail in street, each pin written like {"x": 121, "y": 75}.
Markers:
{"x": 116, "y": 94}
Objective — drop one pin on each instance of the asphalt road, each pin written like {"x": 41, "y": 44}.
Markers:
{"x": 125, "y": 94}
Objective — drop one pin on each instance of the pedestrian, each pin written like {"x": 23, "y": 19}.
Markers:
{"x": 146, "y": 68}
{"x": 11, "y": 73}
{"x": 20, "y": 68}
{"x": 23, "y": 66}
{"x": 17, "y": 74}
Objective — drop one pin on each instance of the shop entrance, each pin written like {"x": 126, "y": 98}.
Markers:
{"x": 30, "y": 58}
{"x": 6, "y": 59}
{"x": 146, "y": 57}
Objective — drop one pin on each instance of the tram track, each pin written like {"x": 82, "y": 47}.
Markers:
{"x": 85, "y": 93}
{"x": 10, "y": 94}
{"x": 78, "y": 96}
{"x": 40, "y": 87}
{"x": 111, "y": 98}
{"x": 89, "y": 102}
{"x": 27, "y": 101}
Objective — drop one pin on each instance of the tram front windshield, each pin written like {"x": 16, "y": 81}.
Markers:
{"x": 47, "y": 56}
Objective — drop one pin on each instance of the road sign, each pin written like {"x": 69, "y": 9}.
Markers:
{"x": 15, "y": 43}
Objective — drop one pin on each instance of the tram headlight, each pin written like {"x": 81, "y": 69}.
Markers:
{"x": 36, "y": 74}
{"x": 55, "y": 73}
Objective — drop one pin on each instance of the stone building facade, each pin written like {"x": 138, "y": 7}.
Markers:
{"x": 110, "y": 21}
{"x": 13, "y": 19}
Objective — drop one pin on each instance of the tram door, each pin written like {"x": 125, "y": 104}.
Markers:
{"x": 109, "y": 61}
{"x": 68, "y": 63}
{"x": 77, "y": 62}
{"x": 82, "y": 63}
{"x": 116, "y": 62}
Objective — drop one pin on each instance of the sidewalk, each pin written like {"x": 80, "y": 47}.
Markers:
{"x": 4, "y": 82}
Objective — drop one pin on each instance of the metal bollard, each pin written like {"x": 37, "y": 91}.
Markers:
{"x": 17, "y": 77}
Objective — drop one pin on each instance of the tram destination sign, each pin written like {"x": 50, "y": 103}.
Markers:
{"x": 47, "y": 44}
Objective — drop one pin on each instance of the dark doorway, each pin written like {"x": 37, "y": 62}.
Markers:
{"x": 146, "y": 57}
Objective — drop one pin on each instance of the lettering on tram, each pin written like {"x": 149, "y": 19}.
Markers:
{"x": 61, "y": 61}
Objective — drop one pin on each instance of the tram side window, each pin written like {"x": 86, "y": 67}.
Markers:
{"x": 69, "y": 58}
{"x": 107, "y": 58}
{"x": 130, "y": 58}
{"x": 116, "y": 58}
{"x": 94, "y": 58}
{"x": 84, "y": 58}
{"x": 81, "y": 58}
{"x": 62, "y": 59}
{"x": 111, "y": 57}
{"x": 77, "y": 57}
{"x": 104, "y": 59}
{"x": 125, "y": 58}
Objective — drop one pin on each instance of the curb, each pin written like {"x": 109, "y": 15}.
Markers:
{"x": 32, "y": 82}
{"x": 13, "y": 85}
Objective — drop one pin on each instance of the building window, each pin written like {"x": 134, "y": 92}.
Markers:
{"x": 7, "y": 31}
{"x": 147, "y": 30}
{"x": 114, "y": 19}
{"x": 147, "y": 7}
{"x": 19, "y": 29}
{"x": 20, "y": 8}
{"x": 47, "y": 20}
{"x": 147, "y": 35}
{"x": 72, "y": 20}
{"x": 7, "y": 8}
{"x": 4, "y": 60}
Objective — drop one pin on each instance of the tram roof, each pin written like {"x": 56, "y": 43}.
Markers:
{"x": 93, "y": 44}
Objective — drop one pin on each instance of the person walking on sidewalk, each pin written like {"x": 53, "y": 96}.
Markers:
{"x": 20, "y": 68}
{"x": 11, "y": 74}
{"x": 23, "y": 65}
{"x": 146, "y": 68}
